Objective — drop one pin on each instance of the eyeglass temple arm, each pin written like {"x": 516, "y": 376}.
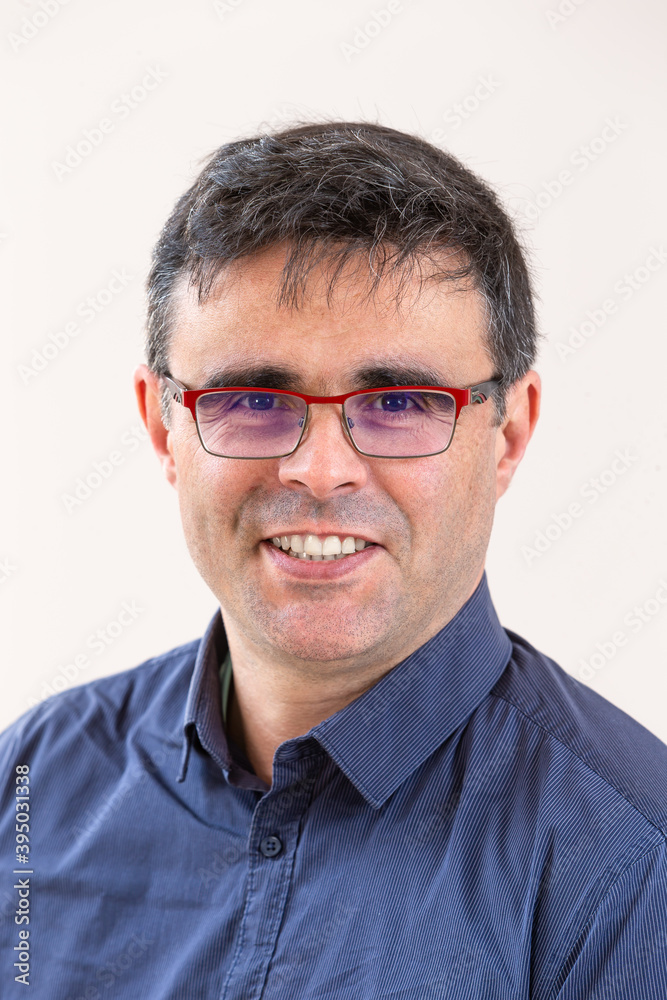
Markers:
{"x": 480, "y": 393}
{"x": 176, "y": 388}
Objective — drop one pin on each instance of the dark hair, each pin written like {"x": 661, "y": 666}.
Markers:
{"x": 339, "y": 191}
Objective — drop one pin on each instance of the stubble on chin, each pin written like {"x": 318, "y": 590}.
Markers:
{"x": 323, "y": 626}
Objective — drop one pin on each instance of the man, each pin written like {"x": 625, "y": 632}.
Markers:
{"x": 358, "y": 784}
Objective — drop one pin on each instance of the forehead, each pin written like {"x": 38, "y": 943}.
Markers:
{"x": 433, "y": 328}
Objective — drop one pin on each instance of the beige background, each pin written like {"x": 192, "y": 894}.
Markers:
{"x": 522, "y": 92}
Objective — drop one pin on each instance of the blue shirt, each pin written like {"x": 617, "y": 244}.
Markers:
{"x": 477, "y": 825}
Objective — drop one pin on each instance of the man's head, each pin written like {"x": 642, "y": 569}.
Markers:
{"x": 322, "y": 259}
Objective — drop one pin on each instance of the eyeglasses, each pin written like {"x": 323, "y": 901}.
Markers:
{"x": 410, "y": 421}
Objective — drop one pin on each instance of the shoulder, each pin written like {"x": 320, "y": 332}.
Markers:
{"x": 106, "y": 707}
{"x": 594, "y": 781}
{"x": 614, "y": 752}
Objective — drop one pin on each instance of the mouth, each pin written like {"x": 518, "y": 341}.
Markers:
{"x": 319, "y": 559}
{"x": 320, "y": 548}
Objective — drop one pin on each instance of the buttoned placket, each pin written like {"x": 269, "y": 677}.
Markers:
{"x": 272, "y": 845}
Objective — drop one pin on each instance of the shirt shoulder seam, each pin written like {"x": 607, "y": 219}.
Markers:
{"x": 566, "y": 746}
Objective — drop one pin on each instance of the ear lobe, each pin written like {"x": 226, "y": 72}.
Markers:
{"x": 512, "y": 437}
{"x": 148, "y": 390}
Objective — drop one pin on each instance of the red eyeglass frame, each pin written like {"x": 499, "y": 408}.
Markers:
{"x": 462, "y": 397}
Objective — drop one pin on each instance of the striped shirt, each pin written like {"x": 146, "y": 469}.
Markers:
{"x": 478, "y": 824}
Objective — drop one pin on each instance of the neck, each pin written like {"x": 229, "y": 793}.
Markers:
{"x": 265, "y": 708}
{"x": 272, "y": 700}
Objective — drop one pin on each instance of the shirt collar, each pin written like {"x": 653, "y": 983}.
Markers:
{"x": 203, "y": 710}
{"x": 404, "y": 718}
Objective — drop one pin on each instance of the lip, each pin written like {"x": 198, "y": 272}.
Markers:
{"x": 325, "y": 569}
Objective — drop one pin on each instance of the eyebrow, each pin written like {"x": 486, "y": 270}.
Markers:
{"x": 367, "y": 376}
{"x": 261, "y": 376}
{"x": 371, "y": 376}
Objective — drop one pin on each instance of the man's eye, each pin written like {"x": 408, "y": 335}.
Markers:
{"x": 260, "y": 401}
{"x": 394, "y": 402}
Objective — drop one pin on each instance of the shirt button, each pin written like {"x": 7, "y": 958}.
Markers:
{"x": 271, "y": 846}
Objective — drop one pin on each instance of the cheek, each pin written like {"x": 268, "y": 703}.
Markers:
{"x": 428, "y": 492}
{"x": 448, "y": 499}
{"x": 209, "y": 493}
{"x": 475, "y": 503}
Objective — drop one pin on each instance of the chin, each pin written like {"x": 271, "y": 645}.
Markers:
{"x": 325, "y": 634}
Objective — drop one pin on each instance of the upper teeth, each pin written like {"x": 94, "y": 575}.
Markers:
{"x": 310, "y": 545}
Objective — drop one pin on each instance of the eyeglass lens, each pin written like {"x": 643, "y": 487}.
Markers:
{"x": 390, "y": 424}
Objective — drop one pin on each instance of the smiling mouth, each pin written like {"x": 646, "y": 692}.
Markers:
{"x": 312, "y": 548}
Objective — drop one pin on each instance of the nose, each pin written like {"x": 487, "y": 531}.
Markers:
{"x": 325, "y": 463}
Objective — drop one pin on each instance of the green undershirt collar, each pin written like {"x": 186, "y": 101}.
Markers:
{"x": 225, "y": 681}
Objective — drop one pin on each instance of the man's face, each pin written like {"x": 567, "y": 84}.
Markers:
{"x": 430, "y": 518}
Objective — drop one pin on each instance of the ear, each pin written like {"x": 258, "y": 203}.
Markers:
{"x": 148, "y": 389}
{"x": 512, "y": 437}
